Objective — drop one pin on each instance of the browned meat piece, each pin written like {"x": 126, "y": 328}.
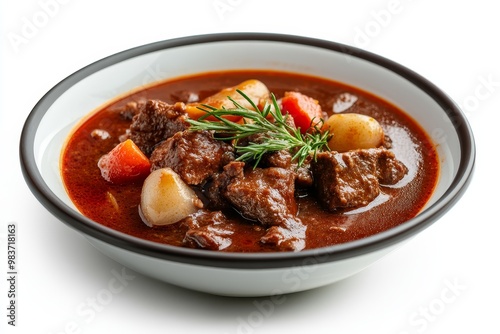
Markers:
{"x": 215, "y": 188}
{"x": 155, "y": 122}
{"x": 128, "y": 111}
{"x": 303, "y": 176}
{"x": 345, "y": 180}
{"x": 194, "y": 155}
{"x": 282, "y": 159}
{"x": 208, "y": 230}
{"x": 264, "y": 194}
{"x": 289, "y": 236}
{"x": 352, "y": 179}
{"x": 390, "y": 170}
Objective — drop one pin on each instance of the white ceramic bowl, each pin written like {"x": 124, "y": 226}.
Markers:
{"x": 237, "y": 274}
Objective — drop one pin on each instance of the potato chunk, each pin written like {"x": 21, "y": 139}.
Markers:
{"x": 254, "y": 89}
{"x": 166, "y": 199}
{"x": 353, "y": 131}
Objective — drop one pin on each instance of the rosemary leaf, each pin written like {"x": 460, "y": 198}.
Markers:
{"x": 278, "y": 134}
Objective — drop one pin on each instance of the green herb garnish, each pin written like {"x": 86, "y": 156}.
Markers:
{"x": 278, "y": 134}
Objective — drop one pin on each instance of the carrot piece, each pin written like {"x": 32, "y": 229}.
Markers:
{"x": 305, "y": 110}
{"x": 124, "y": 163}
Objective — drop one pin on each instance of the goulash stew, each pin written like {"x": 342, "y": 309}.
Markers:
{"x": 249, "y": 161}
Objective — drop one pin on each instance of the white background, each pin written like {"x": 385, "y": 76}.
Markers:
{"x": 443, "y": 281}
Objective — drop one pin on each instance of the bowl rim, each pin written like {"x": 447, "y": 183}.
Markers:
{"x": 359, "y": 247}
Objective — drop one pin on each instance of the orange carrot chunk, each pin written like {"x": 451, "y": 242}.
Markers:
{"x": 124, "y": 163}
{"x": 305, "y": 110}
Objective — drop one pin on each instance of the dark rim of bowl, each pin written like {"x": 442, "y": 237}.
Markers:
{"x": 248, "y": 260}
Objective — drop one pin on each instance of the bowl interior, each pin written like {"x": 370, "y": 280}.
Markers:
{"x": 84, "y": 92}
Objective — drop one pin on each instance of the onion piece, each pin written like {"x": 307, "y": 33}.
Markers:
{"x": 353, "y": 131}
{"x": 166, "y": 199}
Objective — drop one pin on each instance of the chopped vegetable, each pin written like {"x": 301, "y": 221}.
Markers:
{"x": 353, "y": 131}
{"x": 254, "y": 89}
{"x": 305, "y": 110}
{"x": 166, "y": 199}
{"x": 124, "y": 163}
{"x": 112, "y": 200}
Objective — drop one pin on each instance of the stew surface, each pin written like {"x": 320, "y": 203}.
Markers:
{"x": 117, "y": 205}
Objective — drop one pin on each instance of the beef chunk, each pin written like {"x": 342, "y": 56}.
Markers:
{"x": 352, "y": 179}
{"x": 155, "y": 122}
{"x": 303, "y": 176}
{"x": 282, "y": 159}
{"x": 263, "y": 194}
{"x": 389, "y": 169}
{"x": 266, "y": 195}
{"x": 218, "y": 184}
{"x": 129, "y": 110}
{"x": 288, "y": 236}
{"x": 208, "y": 230}
{"x": 194, "y": 155}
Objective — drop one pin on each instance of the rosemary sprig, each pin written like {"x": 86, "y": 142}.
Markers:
{"x": 278, "y": 134}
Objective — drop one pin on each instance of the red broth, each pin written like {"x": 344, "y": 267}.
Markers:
{"x": 116, "y": 206}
